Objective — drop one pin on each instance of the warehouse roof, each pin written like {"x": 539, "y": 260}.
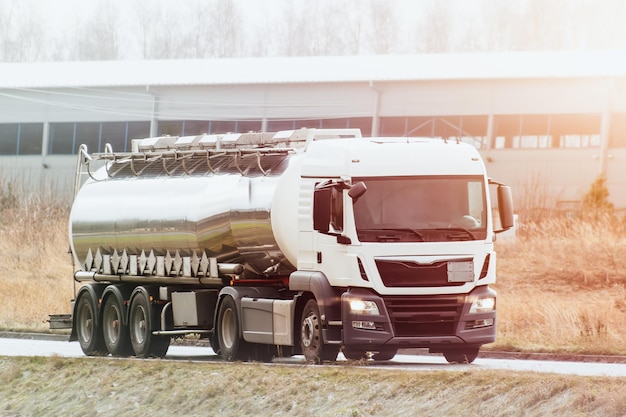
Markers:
{"x": 284, "y": 70}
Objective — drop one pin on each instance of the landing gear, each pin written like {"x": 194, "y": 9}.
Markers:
{"x": 311, "y": 340}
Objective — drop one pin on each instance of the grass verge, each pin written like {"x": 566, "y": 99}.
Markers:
{"x": 55, "y": 386}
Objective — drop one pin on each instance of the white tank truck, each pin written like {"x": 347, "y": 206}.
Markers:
{"x": 274, "y": 244}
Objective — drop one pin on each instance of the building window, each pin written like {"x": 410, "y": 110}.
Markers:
{"x": 617, "y": 135}
{"x": 136, "y": 130}
{"x": 547, "y": 131}
{"x": 170, "y": 128}
{"x": 65, "y": 138}
{"x": 278, "y": 125}
{"x": 30, "y": 139}
{"x": 62, "y": 137}
{"x": 9, "y": 138}
{"x": 470, "y": 129}
{"x": 21, "y": 138}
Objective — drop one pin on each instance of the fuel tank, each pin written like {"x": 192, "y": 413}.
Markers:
{"x": 188, "y": 207}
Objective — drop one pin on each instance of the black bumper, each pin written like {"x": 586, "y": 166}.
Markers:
{"x": 432, "y": 321}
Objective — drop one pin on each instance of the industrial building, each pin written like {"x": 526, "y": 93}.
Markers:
{"x": 547, "y": 123}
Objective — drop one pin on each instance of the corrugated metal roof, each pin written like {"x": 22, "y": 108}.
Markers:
{"x": 284, "y": 70}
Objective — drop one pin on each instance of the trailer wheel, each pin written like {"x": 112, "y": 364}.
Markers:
{"x": 232, "y": 346}
{"x": 116, "y": 336}
{"x": 311, "y": 340}
{"x": 461, "y": 355}
{"x": 144, "y": 343}
{"x": 87, "y": 329}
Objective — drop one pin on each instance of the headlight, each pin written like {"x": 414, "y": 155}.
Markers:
{"x": 364, "y": 307}
{"x": 483, "y": 305}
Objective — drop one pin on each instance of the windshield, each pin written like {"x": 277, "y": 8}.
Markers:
{"x": 416, "y": 209}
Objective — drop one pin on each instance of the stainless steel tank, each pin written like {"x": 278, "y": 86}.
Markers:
{"x": 190, "y": 208}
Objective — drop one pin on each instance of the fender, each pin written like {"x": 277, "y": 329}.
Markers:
{"x": 237, "y": 293}
{"x": 328, "y": 298}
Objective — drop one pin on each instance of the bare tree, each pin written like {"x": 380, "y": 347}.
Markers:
{"x": 159, "y": 28}
{"x": 21, "y": 36}
{"x": 382, "y": 35}
{"x": 98, "y": 37}
{"x": 433, "y": 33}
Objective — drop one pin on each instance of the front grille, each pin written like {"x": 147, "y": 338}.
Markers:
{"x": 411, "y": 274}
{"x": 433, "y": 315}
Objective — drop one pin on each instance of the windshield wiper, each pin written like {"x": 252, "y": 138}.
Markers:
{"x": 459, "y": 232}
{"x": 394, "y": 229}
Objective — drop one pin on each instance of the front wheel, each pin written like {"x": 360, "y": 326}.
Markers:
{"x": 311, "y": 340}
{"x": 355, "y": 354}
{"x": 384, "y": 354}
{"x": 461, "y": 355}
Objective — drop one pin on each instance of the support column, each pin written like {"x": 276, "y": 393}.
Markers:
{"x": 490, "y": 143}
{"x": 605, "y": 128}
{"x": 375, "y": 112}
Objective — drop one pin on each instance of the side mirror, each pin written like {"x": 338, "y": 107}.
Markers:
{"x": 357, "y": 190}
{"x": 505, "y": 207}
{"x": 321, "y": 209}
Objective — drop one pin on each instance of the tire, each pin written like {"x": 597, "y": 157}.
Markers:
{"x": 355, "y": 354}
{"x": 384, "y": 354}
{"x": 88, "y": 332}
{"x": 311, "y": 340}
{"x": 461, "y": 355}
{"x": 141, "y": 324}
{"x": 232, "y": 347}
{"x": 115, "y": 331}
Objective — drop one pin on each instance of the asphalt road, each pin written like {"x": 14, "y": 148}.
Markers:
{"x": 10, "y": 346}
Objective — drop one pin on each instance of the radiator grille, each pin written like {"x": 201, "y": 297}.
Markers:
{"x": 424, "y": 316}
{"x": 411, "y": 274}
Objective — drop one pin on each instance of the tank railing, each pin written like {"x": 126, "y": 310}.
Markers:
{"x": 258, "y": 162}
{"x": 82, "y": 167}
{"x": 170, "y": 160}
{"x": 208, "y": 160}
{"x": 108, "y": 149}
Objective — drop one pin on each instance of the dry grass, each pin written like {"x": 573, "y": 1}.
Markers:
{"x": 36, "y": 273}
{"x": 561, "y": 287}
{"x": 61, "y": 386}
{"x": 561, "y": 283}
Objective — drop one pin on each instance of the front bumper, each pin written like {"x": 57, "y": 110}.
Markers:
{"x": 433, "y": 321}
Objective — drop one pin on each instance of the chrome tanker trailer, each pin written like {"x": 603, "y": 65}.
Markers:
{"x": 298, "y": 242}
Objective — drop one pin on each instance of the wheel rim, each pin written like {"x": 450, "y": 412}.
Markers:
{"x": 228, "y": 328}
{"x": 112, "y": 324}
{"x": 308, "y": 330}
{"x": 85, "y": 328}
{"x": 139, "y": 325}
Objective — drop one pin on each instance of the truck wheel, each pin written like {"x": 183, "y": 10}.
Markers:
{"x": 354, "y": 354}
{"x": 384, "y": 354}
{"x": 311, "y": 340}
{"x": 87, "y": 329}
{"x": 144, "y": 343}
{"x": 232, "y": 346}
{"x": 461, "y": 355}
{"x": 116, "y": 337}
